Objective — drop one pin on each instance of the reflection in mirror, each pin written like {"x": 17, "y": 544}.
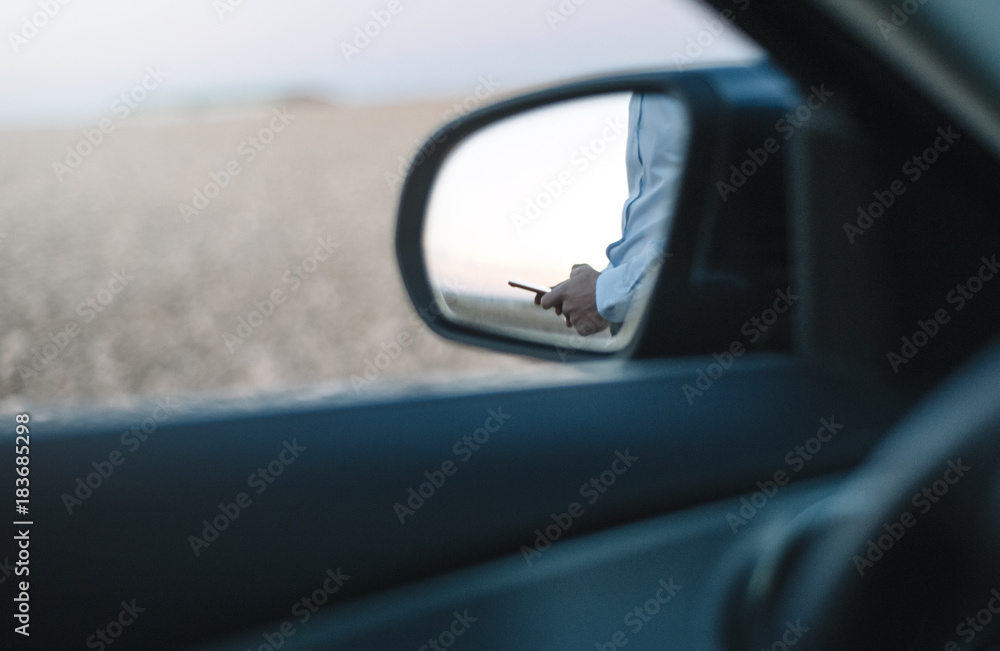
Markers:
{"x": 551, "y": 225}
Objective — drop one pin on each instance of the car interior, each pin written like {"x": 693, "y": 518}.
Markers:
{"x": 736, "y": 476}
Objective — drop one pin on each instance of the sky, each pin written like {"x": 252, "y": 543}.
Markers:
{"x": 67, "y": 63}
{"x": 546, "y": 189}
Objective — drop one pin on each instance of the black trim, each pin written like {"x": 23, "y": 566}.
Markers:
{"x": 731, "y": 109}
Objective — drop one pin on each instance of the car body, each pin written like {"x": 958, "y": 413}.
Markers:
{"x": 604, "y": 505}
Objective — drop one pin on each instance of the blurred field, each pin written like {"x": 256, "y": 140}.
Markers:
{"x": 173, "y": 321}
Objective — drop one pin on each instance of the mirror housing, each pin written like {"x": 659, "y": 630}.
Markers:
{"x": 727, "y": 249}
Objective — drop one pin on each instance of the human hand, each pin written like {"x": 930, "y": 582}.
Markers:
{"x": 575, "y": 299}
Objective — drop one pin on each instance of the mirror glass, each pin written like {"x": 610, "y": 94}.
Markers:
{"x": 574, "y": 202}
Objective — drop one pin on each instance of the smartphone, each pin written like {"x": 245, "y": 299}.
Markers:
{"x": 538, "y": 289}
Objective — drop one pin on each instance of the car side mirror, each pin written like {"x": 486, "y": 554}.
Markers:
{"x": 644, "y": 211}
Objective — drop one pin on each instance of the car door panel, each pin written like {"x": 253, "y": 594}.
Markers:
{"x": 676, "y": 570}
{"x": 332, "y": 506}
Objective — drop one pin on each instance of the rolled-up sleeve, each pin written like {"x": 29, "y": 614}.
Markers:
{"x": 655, "y": 154}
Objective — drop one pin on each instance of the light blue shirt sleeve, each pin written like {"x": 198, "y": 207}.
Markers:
{"x": 655, "y": 152}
